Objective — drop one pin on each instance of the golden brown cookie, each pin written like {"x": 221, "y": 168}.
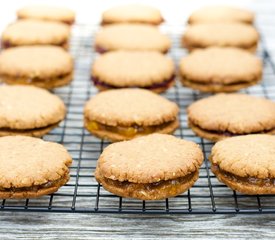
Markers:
{"x": 246, "y": 163}
{"x": 35, "y": 32}
{"x": 226, "y": 115}
{"x": 220, "y": 69}
{"x": 126, "y": 36}
{"x": 153, "y": 167}
{"x": 30, "y": 111}
{"x": 42, "y": 66}
{"x": 127, "y": 69}
{"x": 47, "y": 13}
{"x": 214, "y": 14}
{"x": 132, "y": 13}
{"x": 205, "y": 35}
{"x": 128, "y": 113}
{"x": 31, "y": 167}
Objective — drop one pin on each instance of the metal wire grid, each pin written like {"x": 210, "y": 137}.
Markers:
{"x": 84, "y": 194}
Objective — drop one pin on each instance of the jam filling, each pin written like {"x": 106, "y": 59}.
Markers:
{"x": 171, "y": 185}
{"x": 7, "y": 44}
{"x": 164, "y": 84}
{"x": 102, "y": 50}
{"x": 230, "y": 134}
{"x": 261, "y": 182}
{"x": 130, "y": 131}
{"x": 34, "y": 188}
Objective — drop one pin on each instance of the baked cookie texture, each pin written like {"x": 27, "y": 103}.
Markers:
{"x": 226, "y": 115}
{"x": 146, "y": 69}
{"x": 132, "y": 13}
{"x": 31, "y": 167}
{"x": 35, "y": 32}
{"x": 205, "y": 35}
{"x": 126, "y": 36}
{"x": 28, "y": 110}
{"x": 42, "y": 66}
{"x": 47, "y": 13}
{"x": 128, "y": 113}
{"x": 214, "y": 14}
{"x": 218, "y": 69}
{"x": 153, "y": 167}
{"x": 246, "y": 163}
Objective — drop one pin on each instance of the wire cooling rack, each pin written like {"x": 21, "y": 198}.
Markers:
{"x": 84, "y": 194}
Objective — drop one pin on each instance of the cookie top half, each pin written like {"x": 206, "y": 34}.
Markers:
{"x": 126, "y": 107}
{"x": 221, "y": 65}
{"x": 133, "y": 68}
{"x": 132, "y": 13}
{"x": 235, "y": 113}
{"x": 220, "y": 34}
{"x": 28, "y": 107}
{"x": 218, "y": 13}
{"x": 131, "y": 37}
{"x": 27, "y": 162}
{"x": 31, "y": 32}
{"x": 45, "y": 12}
{"x": 35, "y": 61}
{"x": 246, "y": 156}
{"x": 150, "y": 159}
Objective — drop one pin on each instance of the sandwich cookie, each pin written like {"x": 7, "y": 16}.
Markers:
{"x": 153, "y": 167}
{"x": 129, "y": 69}
{"x": 205, "y": 35}
{"x": 246, "y": 163}
{"x": 30, "y": 111}
{"x": 126, "y": 36}
{"x": 220, "y": 69}
{"x": 132, "y": 13}
{"x": 227, "y": 115}
{"x": 42, "y": 66}
{"x": 35, "y": 32}
{"x": 214, "y": 14}
{"x": 128, "y": 113}
{"x": 47, "y": 13}
{"x": 31, "y": 167}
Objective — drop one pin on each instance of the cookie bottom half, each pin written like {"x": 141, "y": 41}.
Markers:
{"x": 120, "y": 133}
{"x": 157, "y": 87}
{"x": 35, "y": 132}
{"x": 34, "y": 191}
{"x": 47, "y": 83}
{"x": 219, "y": 135}
{"x": 217, "y": 87}
{"x": 150, "y": 191}
{"x": 246, "y": 185}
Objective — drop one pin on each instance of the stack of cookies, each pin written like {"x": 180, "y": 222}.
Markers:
{"x": 33, "y": 59}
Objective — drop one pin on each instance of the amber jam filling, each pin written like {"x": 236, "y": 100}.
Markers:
{"x": 34, "y": 188}
{"x": 164, "y": 84}
{"x": 171, "y": 185}
{"x": 261, "y": 182}
{"x": 8, "y": 44}
{"x": 125, "y": 131}
{"x": 230, "y": 134}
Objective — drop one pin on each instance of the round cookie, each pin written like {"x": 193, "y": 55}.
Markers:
{"x": 128, "y": 113}
{"x": 226, "y": 115}
{"x": 30, "y": 111}
{"x": 35, "y": 32}
{"x": 246, "y": 163}
{"x": 42, "y": 66}
{"x": 145, "y": 69}
{"x": 47, "y": 13}
{"x": 126, "y": 36}
{"x": 153, "y": 167}
{"x": 31, "y": 167}
{"x": 214, "y": 14}
{"x": 220, "y": 69}
{"x": 132, "y": 13}
{"x": 205, "y": 35}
